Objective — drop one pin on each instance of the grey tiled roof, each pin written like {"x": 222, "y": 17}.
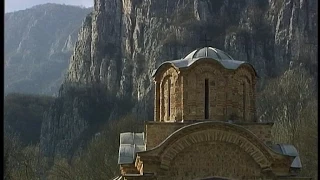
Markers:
{"x": 207, "y": 52}
{"x": 227, "y": 63}
{"x": 288, "y": 149}
{"x": 130, "y": 144}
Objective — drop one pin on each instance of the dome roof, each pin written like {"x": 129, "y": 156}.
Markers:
{"x": 209, "y": 52}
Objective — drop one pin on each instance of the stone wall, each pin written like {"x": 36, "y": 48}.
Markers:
{"x": 211, "y": 149}
{"x": 180, "y": 95}
{"x": 231, "y": 92}
{"x": 212, "y": 159}
{"x": 158, "y": 132}
{"x": 262, "y": 131}
{"x": 168, "y": 89}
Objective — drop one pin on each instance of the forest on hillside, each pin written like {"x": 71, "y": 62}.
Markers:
{"x": 23, "y": 114}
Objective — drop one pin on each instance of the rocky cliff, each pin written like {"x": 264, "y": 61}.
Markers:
{"x": 121, "y": 42}
{"x": 38, "y": 44}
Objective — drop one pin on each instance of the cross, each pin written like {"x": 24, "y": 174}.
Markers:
{"x": 205, "y": 40}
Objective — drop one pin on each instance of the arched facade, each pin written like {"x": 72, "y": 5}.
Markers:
{"x": 208, "y": 149}
{"x": 167, "y": 89}
{"x": 205, "y": 90}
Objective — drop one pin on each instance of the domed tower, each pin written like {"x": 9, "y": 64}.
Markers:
{"x": 192, "y": 137}
{"x": 208, "y": 84}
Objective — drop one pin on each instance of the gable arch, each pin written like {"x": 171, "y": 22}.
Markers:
{"x": 245, "y": 68}
{"x": 169, "y": 73}
{"x": 161, "y": 71}
{"x": 210, "y": 132}
{"x": 168, "y": 82}
{"x": 214, "y": 63}
{"x": 246, "y": 82}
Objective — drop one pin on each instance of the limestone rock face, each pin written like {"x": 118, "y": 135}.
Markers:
{"x": 122, "y": 41}
{"x": 38, "y": 44}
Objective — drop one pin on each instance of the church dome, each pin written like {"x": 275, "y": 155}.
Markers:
{"x": 209, "y": 52}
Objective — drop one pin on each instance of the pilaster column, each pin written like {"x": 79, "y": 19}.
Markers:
{"x": 157, "y": 102}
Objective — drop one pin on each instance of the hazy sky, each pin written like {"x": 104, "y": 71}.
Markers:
{"x": 15, "y": 5}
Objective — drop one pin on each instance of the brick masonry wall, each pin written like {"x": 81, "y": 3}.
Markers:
{"x": 212, "y": 159}
{"x": 231, "y": 93}
{"x": 158, "y": 132}
{"x": 262, "y": 131}
{"x": 168, "y": 92}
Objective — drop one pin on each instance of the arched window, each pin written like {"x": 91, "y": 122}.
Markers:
{"x": 206, "y": 99}
{"x": 165, "y": 100}
{"x": 169, "y": 99}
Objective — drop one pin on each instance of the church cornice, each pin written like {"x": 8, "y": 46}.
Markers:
{"x": 232, "y": 65}
{"x": 159, "y": 73}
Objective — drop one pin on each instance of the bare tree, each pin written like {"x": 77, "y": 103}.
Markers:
{"x": 290, "y": 102}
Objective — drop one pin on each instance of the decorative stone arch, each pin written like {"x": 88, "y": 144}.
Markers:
{"x": 214, "y": 63}
{"x": 246, "y": 78}
{"x": 249, "y": 68}
{"x": 178, "y": 99}
{"x": 244, "y": 73}
{"x": 204, "y": 77}
{"x": 170, "y": 71}
{"x": 164, "y": 96}
{"x": 168, "y": 82}
{"x": 163, "y": 69}
{"x": 247, "y": 96}
{"x": 210, "y": 132}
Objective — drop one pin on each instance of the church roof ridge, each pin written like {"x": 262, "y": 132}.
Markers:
{"x": 183, "y": 63}
{"x": 207, "y": 52}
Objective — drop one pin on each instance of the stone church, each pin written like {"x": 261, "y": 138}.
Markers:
{"x": 205, "y": 126}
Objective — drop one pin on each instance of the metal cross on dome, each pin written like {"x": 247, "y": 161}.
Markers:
{"x": 205, "y": 40}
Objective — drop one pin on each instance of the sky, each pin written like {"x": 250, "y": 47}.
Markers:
{"x": 15, "y": 5}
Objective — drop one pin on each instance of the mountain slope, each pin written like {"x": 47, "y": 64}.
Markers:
{"x": 122, "y": 42}
{"x": 38, "y": 44}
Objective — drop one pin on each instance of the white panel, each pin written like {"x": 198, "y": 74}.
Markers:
{"x": 126, "y": 138}
{"x": 126, "y": 154}
{"x": 130, "y": 143}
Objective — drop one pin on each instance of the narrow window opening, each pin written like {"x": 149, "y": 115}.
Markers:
{"x": 169, "y": 98}
{"x": 244, "y": 101}
{"x": 206, "y": 99}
